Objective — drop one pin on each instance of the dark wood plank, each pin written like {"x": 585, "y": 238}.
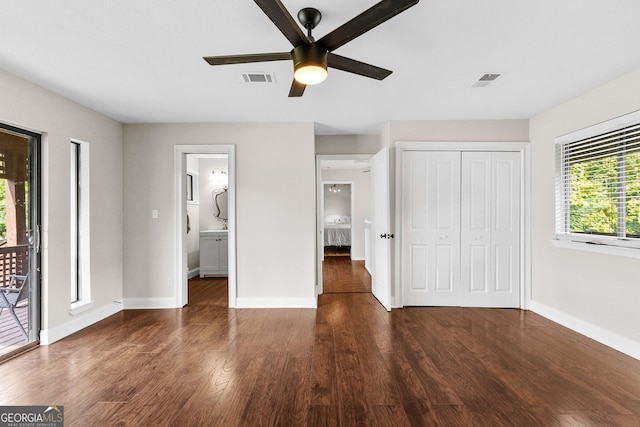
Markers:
{"x": 322, "y": 416}
{"x": 341, "y": 274}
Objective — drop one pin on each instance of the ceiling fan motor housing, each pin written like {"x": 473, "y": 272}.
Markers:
{"x": 309, "y": 54}
{"x": 309, "y": 63}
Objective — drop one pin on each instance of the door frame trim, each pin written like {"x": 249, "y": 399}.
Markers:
{"x": 524, "y": 148}
{"x": 180, "y": 204}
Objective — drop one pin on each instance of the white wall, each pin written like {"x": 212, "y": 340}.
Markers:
{"x": 275, "y": 207}
{"x": 348, "y": 144}
{"x": 31, "y": 107}
{"x": 361, "y": 204}
{"x": 337, "y": 202}
{"x": 459, "y": 130}
{"x": 599, "y": 293}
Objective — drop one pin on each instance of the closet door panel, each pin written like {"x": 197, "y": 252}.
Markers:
{"x": 478, "y": 269}
{"x": 430, "y": 228}
{"x": 445, "y": 231}
{"x": 504, "y": 266}
{"x": 444, "y": 280}
{"x": 415, "y": 250}
{"x": 475, "y": 229}
{"x": 417, "y": 265}
{"x": 505, "y": 232}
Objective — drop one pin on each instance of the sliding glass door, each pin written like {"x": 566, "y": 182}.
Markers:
{"x": 19, "y": 239}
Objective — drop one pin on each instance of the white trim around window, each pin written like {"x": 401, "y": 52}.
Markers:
{"x": 598, "y": 187}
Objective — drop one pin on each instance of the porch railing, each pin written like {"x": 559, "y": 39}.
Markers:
{"x": 13, "y": 260}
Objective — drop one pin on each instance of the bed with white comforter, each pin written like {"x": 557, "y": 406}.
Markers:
{"x": 337, "y": 230}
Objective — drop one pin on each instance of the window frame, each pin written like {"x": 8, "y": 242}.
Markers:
{"x": 80, "y": 227}
{"x": 562, "y": 204}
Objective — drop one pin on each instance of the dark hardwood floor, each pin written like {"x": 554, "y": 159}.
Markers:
{"x": 340, "y": 274}
{"x": 337, "y": 251}
{"x": 347, "y": 363}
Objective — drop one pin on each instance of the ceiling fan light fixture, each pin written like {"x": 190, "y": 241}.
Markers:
{"x": 309, "y": 64}
{"x": 310, "y": 74}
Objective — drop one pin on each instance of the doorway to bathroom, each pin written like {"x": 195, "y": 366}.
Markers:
{"x": 207, "y": 194}
{"x": 205, "y": 226}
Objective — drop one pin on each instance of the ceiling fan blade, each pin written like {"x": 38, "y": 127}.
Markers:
{"x": 243, "y": 59}
{"x": 279, "y": 15}
{"x": 297, "y": 89}
{"x": 362, "y": 23}
{"x": 356, "y": 67}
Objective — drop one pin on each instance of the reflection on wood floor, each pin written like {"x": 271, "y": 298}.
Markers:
{"x": 340, "y": 274}
{"x": 348, "y": 363}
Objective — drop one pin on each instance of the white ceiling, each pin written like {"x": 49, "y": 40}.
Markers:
{"x": 348, "y": 164}
{"x": 141, "y": 61}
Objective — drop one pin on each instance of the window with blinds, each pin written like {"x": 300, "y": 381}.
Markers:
{"x": 598, "y": 183}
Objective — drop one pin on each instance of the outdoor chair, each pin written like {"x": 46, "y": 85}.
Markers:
{"x": 15, "y": 292}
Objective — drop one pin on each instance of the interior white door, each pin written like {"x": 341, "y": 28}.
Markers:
{"x": 381, "y": 227}
{"x": 431, "y": 228}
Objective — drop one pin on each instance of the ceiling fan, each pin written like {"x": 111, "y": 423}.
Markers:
{"x": 310, "y": 57}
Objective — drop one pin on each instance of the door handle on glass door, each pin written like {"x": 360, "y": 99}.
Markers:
{"x": 34, "y": 239}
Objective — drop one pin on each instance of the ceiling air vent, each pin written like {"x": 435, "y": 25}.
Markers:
{"x": 486, "y": 80}
{"x": 258, "y": 77}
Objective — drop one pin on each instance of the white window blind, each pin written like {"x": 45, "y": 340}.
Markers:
{"x": 598, "y": 183}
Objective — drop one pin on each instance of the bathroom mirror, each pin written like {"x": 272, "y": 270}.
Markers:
{"x": 220, "y": 205}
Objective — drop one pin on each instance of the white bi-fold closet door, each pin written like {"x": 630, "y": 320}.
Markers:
{"x": 461, "y": 228}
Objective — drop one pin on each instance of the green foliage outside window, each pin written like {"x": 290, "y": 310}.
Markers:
{"x": 594, "y": 196}
{"x": 633, "y": 194}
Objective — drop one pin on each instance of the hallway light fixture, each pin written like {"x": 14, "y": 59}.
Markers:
{"x": 334, "y": 188}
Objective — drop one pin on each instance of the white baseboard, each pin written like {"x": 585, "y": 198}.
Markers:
{"x": 80, "y": 321}
{"x": 147, "y": 303}
{"x": 193, "y": 273}
{"x": 276, "y": 303}
{"x": 604, "y": 336}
